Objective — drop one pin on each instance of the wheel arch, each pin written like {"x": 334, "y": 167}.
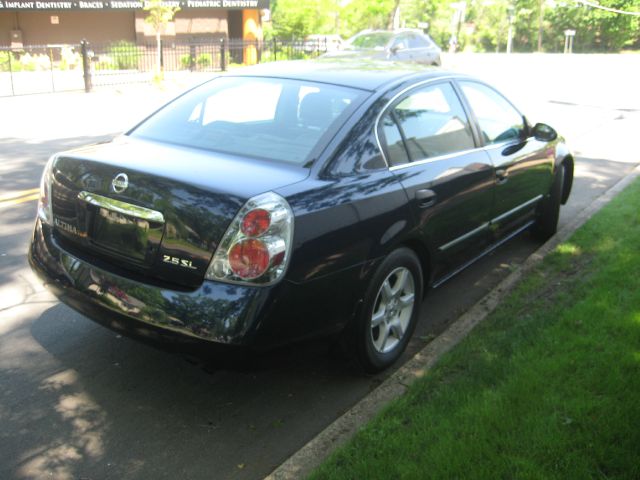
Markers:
{"x": 568, "y": 163}
{"x": 424, "y": 256}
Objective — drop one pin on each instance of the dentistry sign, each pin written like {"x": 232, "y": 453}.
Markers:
{"x": 129, "y": 4}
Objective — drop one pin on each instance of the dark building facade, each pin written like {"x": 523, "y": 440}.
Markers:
{"x": 67, "y": 22}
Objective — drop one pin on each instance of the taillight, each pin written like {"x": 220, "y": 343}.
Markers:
{"x": 256, "y": 222}
{"x": 44, "y": 202}
{"x": 249, "y": 258}
{"x": 257, "y": 245}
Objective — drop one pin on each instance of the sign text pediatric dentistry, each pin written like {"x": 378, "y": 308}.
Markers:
{"x": 130, "y": 5}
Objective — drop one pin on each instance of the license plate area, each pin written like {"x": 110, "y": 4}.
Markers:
{"x": 123, "y": 230}
{"x": 122, "y": 234}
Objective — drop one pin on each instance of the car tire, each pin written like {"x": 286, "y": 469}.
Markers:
{"x": 546, "y": 224}
{"x": 389, "y": 312}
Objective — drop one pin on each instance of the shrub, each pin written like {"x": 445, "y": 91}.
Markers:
{"x": 185, "y": 61}
{"x": 42, "y": 62}
{"x": 124, "y": 55}
{"x": 105, "y": 62}
{"x": 68, "y": 59}
{"x": 4, "y": 61}
{"x": 204, "y": 60}
{"x": 28, "y": 62}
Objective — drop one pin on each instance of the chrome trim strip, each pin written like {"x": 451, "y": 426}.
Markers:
{"x": 518, "y": 208}
{"x": 393, "y": 99}
{"x": 496, "y": 146}
{"x": 435, "y": 159}
{"x": 484, "y": 226}
{"x": 488, "y": 250}
{"x": 121, "y": 207}
{"x": 462, "y": 238}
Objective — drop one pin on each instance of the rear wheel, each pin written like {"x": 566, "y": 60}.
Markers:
{"x": 390, "y": 311}
{"x": 547, "y": 222}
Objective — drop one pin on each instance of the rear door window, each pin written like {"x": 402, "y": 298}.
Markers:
{"x": 401, "y": 42}
{"x": 417, "y": 41}
{"x": 396, "y": 148}
{"x": 430, "y": 122}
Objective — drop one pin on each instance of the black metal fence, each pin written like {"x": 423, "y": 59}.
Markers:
{"x": 56, "y": 68}
{"x": 39, "y": 68}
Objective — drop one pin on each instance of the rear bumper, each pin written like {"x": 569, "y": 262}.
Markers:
{"x": 214, "y": 316}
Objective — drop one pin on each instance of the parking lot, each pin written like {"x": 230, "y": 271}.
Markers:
{"x": 78, "y": 401}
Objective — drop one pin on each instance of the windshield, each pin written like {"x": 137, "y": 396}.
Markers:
{"x": 268, "y": 118}
{"x": 371, "y": 40}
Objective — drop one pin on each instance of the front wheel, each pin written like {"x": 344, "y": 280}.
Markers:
{"x": 547, "y": 222}
{"x": 390, "y": 311}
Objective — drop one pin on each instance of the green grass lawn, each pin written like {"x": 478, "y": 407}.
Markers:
{"x": 547, "y": 387}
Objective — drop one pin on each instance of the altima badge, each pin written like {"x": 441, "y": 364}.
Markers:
{"x": 120, "y": 183}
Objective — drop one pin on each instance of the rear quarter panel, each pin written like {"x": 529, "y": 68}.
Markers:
{"x": 344, "y": 222}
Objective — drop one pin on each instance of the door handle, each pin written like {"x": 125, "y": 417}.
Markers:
{"x": 502, "y": 175}
{"x": 426, "y": 198}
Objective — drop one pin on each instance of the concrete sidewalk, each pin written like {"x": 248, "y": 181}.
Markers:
{"x": 105, "y": 110}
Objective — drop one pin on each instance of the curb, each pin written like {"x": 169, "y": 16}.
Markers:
{"x": 311, "y": 455}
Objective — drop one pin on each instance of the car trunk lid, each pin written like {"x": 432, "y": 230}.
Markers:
{"x": 152, "y": 209}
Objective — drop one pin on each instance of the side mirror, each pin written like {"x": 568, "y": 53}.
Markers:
{"x": 544, "y": 132}
{"x": 396, "y": 48}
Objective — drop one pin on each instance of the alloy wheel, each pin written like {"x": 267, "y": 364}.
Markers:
{"x": 392, "y": 310}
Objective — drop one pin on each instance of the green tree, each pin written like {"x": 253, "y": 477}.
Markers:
{"x": 297, "y": 19}
{"x": 485, "y": 25}
{"x": 159, "y": 17}
{"x": 526, "y": 31}
{"x": 596, "y": 30}
{"x": 490, "y": 25}
{"x": 360, "y": 14}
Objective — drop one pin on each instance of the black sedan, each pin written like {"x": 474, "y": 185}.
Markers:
{"x": 295, "y": 200}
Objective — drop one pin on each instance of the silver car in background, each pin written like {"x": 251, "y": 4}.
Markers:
{"x": 322, "y": 43}
{"x": 406, "y": 45}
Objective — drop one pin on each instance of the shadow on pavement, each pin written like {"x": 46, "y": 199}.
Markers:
{"x": 22, "y": 161}
{"x": 114, "y": 408}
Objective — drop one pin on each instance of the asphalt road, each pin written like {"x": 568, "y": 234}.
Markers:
{"x": 78, "y": 401}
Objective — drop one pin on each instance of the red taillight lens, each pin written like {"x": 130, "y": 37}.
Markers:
{"x": 256, "y": 222}
{"x": 257, "y": 245}
{"x": 249, "y": 258}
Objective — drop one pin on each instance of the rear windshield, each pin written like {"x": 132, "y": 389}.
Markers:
{"x": 270, "y": 118}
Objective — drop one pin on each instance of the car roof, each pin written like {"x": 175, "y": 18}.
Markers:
{"x": 348, "y": 70}
{"x": 393, "y": 32}
{"x": 324, "y": 35}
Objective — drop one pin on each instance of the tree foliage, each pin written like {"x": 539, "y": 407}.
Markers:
{"x": 296, "y": 19}
{"x": 485, "y": 24}
{"x": 159, "y": 15}
{"x": 360, "y": 14}
{"x": 596, "y": 30}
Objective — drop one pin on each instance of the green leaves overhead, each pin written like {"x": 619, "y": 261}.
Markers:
{"x": 159, "y": 15}
{"x": 484, "y": 27}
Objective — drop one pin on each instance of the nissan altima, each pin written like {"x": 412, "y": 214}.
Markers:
{"x": 295, "y": 200}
